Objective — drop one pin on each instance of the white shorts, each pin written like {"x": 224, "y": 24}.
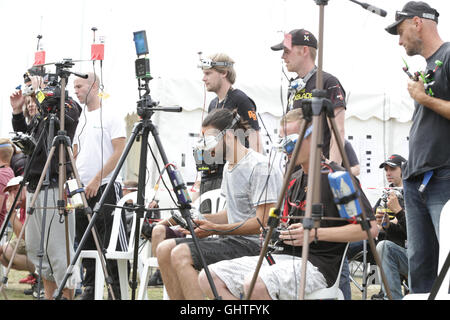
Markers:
{"x": 281, "y": 279}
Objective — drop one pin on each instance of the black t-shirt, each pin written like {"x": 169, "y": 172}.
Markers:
{"x": 237, "y": 99}
{"x": 326, "y": 256}
{"x": 335, "y": 93}
{"x": 430, "y": 132}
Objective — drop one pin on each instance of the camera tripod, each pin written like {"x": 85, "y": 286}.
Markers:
{"x": 142, "y": 129}
{"x": 29, "y": 160}
{"x": 318, "y": 109}
{"x": 62, "y": 141}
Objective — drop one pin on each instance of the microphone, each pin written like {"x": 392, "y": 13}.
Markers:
{"x": 371, "y": 8}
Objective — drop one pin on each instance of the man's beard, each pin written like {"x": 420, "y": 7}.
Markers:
{"x": 416, "y": 48}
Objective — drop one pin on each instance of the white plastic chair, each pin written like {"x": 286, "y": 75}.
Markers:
{"x": 122, "y": 257}
{"x": 333, "y": 292}
{"x": 217, "y": 202}
{"x": 444, "y": 249}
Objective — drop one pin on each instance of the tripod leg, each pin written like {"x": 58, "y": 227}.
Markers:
{"x": 92, "y": 219}
{"x": 314, "y": 192}
{"x": 363, "y": 214}
{"x": 273, "y": 220}
{"x": 94, "y": 233}
{"x": 45, "y": 174}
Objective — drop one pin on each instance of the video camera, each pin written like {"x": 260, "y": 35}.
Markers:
{"x": 24, "y": 142}
{"x": 397, "y": 191}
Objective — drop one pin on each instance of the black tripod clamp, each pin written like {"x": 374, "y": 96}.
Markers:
{"x": 319, "y": 104}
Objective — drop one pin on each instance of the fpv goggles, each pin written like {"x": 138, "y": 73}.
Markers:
{"x": 287, "y": 144}
{"x": 207, "y": 143}
{"x": 207, "y": 63}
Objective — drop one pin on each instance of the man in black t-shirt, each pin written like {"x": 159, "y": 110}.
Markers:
{"x": 219, "y": 76}
{"x": 426, "y": 175}
{"x": 299, "y": 54}
{"x": 281, "y": 280}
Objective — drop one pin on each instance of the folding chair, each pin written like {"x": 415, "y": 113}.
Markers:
{"x": 333, "y": 292}
{"x": 217, "y": 203}
{"x": 118, "y": 234}
{"x": 363, "y": 265}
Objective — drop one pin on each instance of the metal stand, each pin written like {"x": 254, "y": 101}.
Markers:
{"x": 314, "y": 208}
{"x": 440, "y": 278}
{"x": 63, "y": 142}
{"x": 141, "y": 130}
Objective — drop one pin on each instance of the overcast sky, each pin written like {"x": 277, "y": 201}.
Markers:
{"x": 357, "y": 49}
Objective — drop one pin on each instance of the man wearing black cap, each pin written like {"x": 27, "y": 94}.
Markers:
{"x": 299, "y": 54}
{"x": 391, "y": 221}
{"x": 426, "y": 175}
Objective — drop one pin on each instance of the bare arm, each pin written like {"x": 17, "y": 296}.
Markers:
{"x": 417, "y": 92}
{"x": 248, "y": 227}
{"x": 93, "y": 186}
{"x": 347, "y": 233}
{"x": 335, "y": 154}
{"x": 356, "y": 170}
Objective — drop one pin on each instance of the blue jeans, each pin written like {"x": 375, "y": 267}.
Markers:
{"x": 423, "y": 213}
{"x": 344, "y": 281}
{"x": 394, "y": 261}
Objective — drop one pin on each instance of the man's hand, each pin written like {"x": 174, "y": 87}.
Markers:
{"x": 416, "y": 90}
{"x": 201, "y": 230}
{"x": 92, "y": 187}
{"x": 295, "y": 234}
{"x": 17, "y": 101}
{"x": 393, "y": 203}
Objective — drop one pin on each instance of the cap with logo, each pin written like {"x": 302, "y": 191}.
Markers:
{"x": 410, "y": 10}
{"x": 393, "y": 161}
{"x": 299, "y": 37}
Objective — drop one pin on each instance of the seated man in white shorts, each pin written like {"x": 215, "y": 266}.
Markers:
{"x": 281, "y": 280}
{"x": 251, "y": 186}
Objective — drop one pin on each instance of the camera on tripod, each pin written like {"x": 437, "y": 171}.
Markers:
{"x": 24, "y": 142}
{"x": 49, "y": 98}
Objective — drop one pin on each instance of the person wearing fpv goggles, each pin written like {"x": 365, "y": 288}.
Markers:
{"x": 219, "y": 77}
{"x": 250, "y": 185}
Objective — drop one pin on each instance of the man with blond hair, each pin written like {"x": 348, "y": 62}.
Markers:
{"x": 219, "y": 77}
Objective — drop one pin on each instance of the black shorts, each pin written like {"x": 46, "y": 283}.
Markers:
{"x": 218, "y": 249}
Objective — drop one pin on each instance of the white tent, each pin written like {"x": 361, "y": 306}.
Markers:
{"x": 357, "y": 49}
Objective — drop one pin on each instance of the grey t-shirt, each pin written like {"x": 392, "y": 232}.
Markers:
{"x": 430, "y": 132}
{"x": 250, "y": 183}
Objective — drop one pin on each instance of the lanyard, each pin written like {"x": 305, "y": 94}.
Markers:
{"x": 426, "y": 178}
{"x": 295, "y": 87}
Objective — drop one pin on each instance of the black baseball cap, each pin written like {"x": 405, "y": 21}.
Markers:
{"x": 393, "y": 161}
{"x": 411, "y": 10}
{"x": 300, "y": 37}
